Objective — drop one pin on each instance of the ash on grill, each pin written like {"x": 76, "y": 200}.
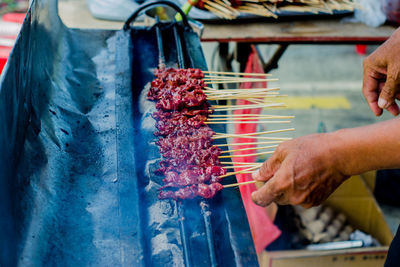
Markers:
{"x": 191, "y": 166}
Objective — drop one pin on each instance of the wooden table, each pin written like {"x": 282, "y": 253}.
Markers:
{"x": 75, "y": 14}
{"x": 284, "y": 33}
{"x": 297, "y": 32}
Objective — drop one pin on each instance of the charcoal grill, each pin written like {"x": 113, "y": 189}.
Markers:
{"x": 77, "y": 153}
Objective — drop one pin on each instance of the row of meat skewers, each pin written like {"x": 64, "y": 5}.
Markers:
{"x": 231, "y": 9}
{"x": 192, "y": 164}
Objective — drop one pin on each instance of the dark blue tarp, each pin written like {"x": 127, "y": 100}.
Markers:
{"x": 77, "y": 157}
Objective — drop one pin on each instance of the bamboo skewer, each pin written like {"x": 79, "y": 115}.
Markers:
{"x": 256, "y": 137}
{"x": 222, "y": 78}
{"x": 237, "y": 90}
{"x": 242, "y": 166}
{"x": 239, "y": 184}
{"x": 249, "y": 148}
{"x": 236, "y": 73}
{"x": 214, "y": 118}
{"x": 252, "y": 98}
{"x": 238, "y": 172}
{"x": 233, "y": 162}
{"x": 275, "y": 105}
{"x": 243, "y": 81}
{"x": 251, "y": 115}
{"x": 246, "y": 155}
{"x": 222, "y": 135}
{"x": 270, "y": 8}
{"x": 250, "y": 143}
{"x": 260, "y": 96}
{"x": 245, "y": 122}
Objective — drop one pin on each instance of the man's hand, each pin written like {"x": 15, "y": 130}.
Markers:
{"x": 303, "y": 171}
{"x": 381, "y": 78}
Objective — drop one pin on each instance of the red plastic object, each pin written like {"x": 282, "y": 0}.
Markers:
{"x": 14, "y": 17}
{"x": 361, "y": 50}
{"x": 263, "y": 230}
{"x": 4, "y": 50}
{"x": 4, "y": 53}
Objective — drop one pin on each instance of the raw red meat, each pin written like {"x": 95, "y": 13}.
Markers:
{"x": 191, "y": 166}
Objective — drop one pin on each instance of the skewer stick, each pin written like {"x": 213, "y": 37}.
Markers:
{"x": 239, "y": 184}
{"x": 245, "y": 122}
{"x": 246, "y": 155}
{"x": 252, "y": 115}
{"x": 223, "y": 78}
{"x": 237, "y": 172}
{"x": 243, "y": 81}
{"x": 233, "y": 162}
{"x": 242, "y": 166}
{"x": 259, "y": 95}
{"x": 241, "y": 92}
{"x": 218, "y": 135}
{"x": 233, "y": 106}
{"x": 258, "y": 137}
{"x": 236, "y": 73}
{"x": 249, "y": 148}
{"x": 210, "y": 76}
{"x": 250, "y": 143}
{"x": 238, "y": 118}
{"x": 240, "y": 89}
{"x": 259, "y": 98}
{"x": 275, "y": 105}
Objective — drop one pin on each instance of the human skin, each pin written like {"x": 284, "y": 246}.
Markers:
{"x": 381, "y": 76}
{"x": 306, "y": 170}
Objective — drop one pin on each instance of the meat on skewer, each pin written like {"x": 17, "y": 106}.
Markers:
{"x": 190, "y": 166}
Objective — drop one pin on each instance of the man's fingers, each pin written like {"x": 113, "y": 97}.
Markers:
{"x": 266, "y": 194}
{"x": 270, "y": 166}
{"x": 389, "y": 90}
{"x": 266, "y": 170}
{"x": 394, "y": 109}
{"x": 370, "y": 92}
{"x": 375, "y": 108}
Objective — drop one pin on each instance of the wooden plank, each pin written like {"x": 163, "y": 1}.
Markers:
{"x": 311, "y": 31}
{"x": 75, "y": 14}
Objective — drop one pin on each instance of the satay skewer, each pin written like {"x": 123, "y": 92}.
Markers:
{"x": 237, "y": 90}
{"x": 239, "y": 107}
{"x": 257, "y": 95}
{"x": 248, "y": 148}
{"x": 243, "y": 118}
{"x": 251, "y": 115}
{"x": 223, "y": 135}
{"x": 242, "y": 81}
{"x": 243, "y": 166}
{"x": 249, "y": 143}
{"x": 246, "y": 155}
{"x": 256, "y": 137}
{"x": 233, "y": 162}
{"x": 239, "y": 184}
{"x": 238, "y": 172}
{"x": 235, "y": 73}
{"x": 246, "y": 122}
{"x": 231, "y": 78}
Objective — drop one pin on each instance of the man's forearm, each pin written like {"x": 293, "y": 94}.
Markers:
{"x": 372, "y": 147}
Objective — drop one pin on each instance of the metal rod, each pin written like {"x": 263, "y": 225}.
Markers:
{"x": 209, "y": 233}
{"x": 184, "y": 235}
{"x": 160, "y": 46}
{"x": 179, "y": 49}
